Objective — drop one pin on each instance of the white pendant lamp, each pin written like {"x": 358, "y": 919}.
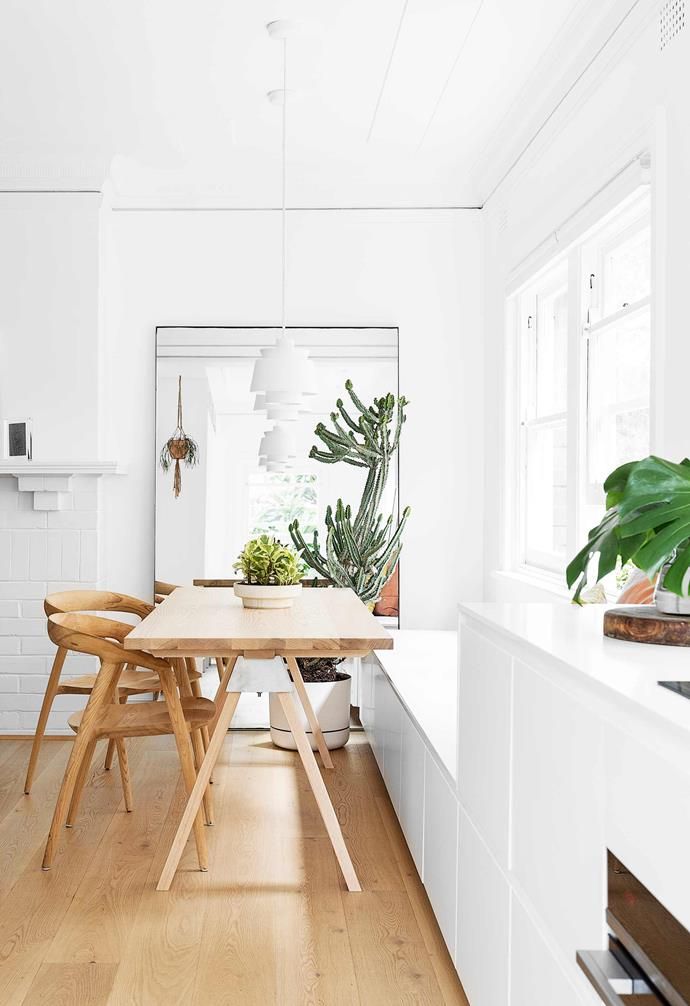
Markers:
{"x": 284, "y": 375}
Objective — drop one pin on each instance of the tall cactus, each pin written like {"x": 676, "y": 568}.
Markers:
{"x": 360, "y": 553}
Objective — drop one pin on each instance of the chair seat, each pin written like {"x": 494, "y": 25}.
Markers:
{"x": 131, "y": 682}
{"x": 144, "y": 719}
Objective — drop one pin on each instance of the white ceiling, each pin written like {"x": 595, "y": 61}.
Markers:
{"x": 397, "y": 100}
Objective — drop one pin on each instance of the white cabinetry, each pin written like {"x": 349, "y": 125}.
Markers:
{"x": 558, "y": 854}
{"x": 440, "y": 848}
{"x": 483, "y": 921}
{"x": 412, "y": 791}
{"x": 484, "y": 736}
{"x": 536, "y": 978}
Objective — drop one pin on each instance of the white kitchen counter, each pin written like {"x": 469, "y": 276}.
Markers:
{"x": 573, "y": 637}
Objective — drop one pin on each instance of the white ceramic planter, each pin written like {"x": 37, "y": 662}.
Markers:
{"x": 331, "y": 702}
{"x": 669, "y": 603}
{"x": 255, "y": 596}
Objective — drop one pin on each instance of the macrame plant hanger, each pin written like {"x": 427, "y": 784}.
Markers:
{"x": 179, "y": 447}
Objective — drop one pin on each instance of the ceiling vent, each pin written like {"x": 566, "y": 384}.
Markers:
{"x": 671, "y": 21}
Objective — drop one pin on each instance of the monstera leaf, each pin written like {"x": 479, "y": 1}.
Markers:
{"x": 647, "y": 521}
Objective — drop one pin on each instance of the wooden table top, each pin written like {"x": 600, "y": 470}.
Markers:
{"x": 199, "y": 621}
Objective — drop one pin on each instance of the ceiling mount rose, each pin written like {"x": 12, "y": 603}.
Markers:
{"x": 282, "y": 29}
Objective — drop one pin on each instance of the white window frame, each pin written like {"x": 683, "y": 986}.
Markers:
{"x": 582, "y": 496}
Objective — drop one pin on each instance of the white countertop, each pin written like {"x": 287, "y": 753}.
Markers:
{"x": 423, "y": 669}
{"x": 574, "y": 637}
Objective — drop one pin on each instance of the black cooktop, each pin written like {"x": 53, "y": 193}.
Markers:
{"x": 680, "y": 687}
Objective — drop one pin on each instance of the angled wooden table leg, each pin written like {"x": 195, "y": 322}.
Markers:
{"x": 317, "y": 733}
{"x": 318, "y": 788}
{"x": 229, "y": 704}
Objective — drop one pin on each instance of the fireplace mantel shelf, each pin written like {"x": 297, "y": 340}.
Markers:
{"x": 50, "y": 482}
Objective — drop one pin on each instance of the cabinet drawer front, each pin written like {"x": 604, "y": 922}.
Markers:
{"x": 484, "y": 717}
{"x": 558, "y": 853}
{"x": 536, "y": 977}
{"x": 440, "y": 849}
{"x": 648, "y": 818}
{"x": 483, "y": 921}
{"x": 412, "y": 791}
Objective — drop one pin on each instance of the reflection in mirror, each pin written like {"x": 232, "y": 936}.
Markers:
{"x": 225, "y": 498}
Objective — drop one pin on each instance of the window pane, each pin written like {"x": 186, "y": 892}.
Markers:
{"x": 276, "y": 499}
{"x": 545, "y": 491}
{"x": 552, "y": 352}
{"x": 627, "y": 271}
{"x": 618, "y": 395}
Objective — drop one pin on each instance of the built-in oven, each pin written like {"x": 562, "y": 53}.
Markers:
{"x": 648, "y": 959}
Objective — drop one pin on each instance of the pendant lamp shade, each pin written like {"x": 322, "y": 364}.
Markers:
{"x": 284, "y": 373}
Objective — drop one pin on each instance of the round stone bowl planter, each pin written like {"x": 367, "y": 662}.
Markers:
{"x": 331, "y": 702}
{"x": 256, "y": 596}
{"x": 668, "y": 603}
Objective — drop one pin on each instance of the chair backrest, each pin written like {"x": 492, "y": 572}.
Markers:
{"x": 162, "y": 590}
{"x": 95, "y": 600}
{"x": 101, "y": 637}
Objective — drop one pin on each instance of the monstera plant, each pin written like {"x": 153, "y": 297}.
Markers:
{"x": 647, "y": 522}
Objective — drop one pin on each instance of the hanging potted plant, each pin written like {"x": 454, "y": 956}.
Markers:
{"x": 272, "y": 574}
{"x": 361, "y": 551}
{"x": 179, "y": 447}
{"x": 647, "y": 523}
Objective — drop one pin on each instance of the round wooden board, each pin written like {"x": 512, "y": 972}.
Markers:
{"x": 642, "y": 623}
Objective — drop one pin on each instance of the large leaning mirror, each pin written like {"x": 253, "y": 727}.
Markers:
{"x": 225, "y": 498}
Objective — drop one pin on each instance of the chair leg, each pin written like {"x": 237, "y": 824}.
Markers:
{"x": 187, "y": 687}
{"x": 197, "y": 693}
{"x": 123, "y": 762}
{"x": 198, "y": 747}
{"x": 79, "y": 784}
{"x": 81, "y": 745}
{"x": 110, "y": 753}
{"x": 184, "y": 750}
{"x": 48, "y": 698}
{"x": 101, "y": 694}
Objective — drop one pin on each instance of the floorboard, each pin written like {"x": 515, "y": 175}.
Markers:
{"x": 270, "y": 923}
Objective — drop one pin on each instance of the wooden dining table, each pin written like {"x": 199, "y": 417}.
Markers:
{"x": 259, "y": 650}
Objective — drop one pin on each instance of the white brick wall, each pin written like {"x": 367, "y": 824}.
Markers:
{"x": 41, "y": 552}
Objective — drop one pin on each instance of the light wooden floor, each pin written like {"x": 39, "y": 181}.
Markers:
{"x": 271, "y": 923}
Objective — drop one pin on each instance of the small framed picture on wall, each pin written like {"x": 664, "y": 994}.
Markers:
{"x": 17, "y": 439}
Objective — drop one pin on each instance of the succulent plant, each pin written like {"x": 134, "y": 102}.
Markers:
{"x": 362, "y": 549}
{"x": 267, "y": 562}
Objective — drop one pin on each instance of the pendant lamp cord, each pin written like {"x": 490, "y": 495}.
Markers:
{"x": 284, "y": 206}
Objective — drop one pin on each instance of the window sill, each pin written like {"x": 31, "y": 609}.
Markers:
{"x": 531, "y": 580}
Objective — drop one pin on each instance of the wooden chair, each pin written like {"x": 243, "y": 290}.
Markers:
{"x": 132, "y": 682}
{"x": 105, "y": 717}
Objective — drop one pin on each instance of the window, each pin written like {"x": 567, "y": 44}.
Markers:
{"x": 583, "y": 375}
{"x": 276, "y": 499}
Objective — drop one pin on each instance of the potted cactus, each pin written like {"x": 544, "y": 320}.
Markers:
{"x": 361, "y": 549}
{"x": 271, "y": 571}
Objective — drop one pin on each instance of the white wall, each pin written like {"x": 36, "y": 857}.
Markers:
{"x": 419, "y": 270}
{"x": 49, "y": 306}
{"x": 632, "y": 100}
{"x": 49, "y": 319}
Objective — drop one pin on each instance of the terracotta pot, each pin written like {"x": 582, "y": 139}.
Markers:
{"x": 178, "y": 449}
{"x": 256, "y": 596}
{"x": 331, "y": 702}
